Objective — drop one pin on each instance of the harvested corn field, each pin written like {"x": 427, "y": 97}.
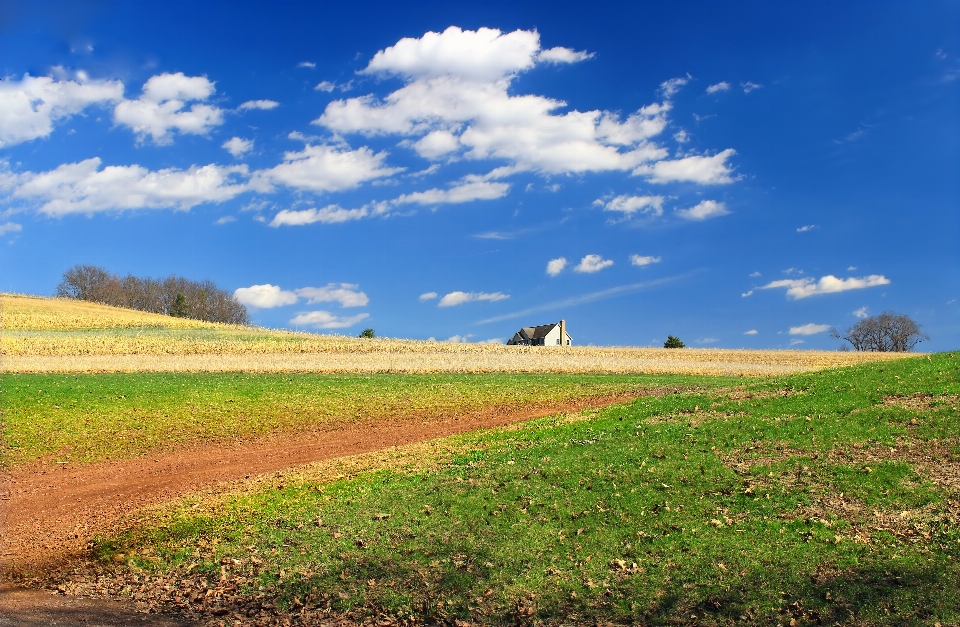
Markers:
{"x": 54, "y": 335}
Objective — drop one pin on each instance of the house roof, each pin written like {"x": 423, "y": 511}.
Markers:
{"x": 538, "y": 332}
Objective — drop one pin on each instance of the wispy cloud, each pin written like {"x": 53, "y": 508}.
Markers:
{"x": 10, "y": 227}
{"x": 704, "y": 211}
{"x": 641, "y": 260}
{"x": 749, "y": 86}
{"x": 718, "y": 87}
{"x": 307, "y": 64}
{"x": 806, "y": 228}
{"x": 861, "y": 313}
{"x": 326, "y": 320}
{"x": 427, "y": 296}
{"x": 751, "y": 332}
{"x": 573, "y": 301}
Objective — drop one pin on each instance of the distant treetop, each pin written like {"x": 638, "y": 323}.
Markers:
{"x": 673, "y": 342}
{"x": 172, "y": 296}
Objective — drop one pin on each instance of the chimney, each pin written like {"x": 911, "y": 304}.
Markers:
{"x": 563, "y": 332}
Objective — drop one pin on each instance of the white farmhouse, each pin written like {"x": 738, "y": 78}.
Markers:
{"x": 544, "y": 335}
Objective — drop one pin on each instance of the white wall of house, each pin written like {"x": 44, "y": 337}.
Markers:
{"x": 553, "y": 338}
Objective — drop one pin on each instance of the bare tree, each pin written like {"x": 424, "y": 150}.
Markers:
{"x": 886, "y": 333}
{"x": 175, "y": 296}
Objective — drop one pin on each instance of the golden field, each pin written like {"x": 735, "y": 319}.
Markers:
{"x": 57, "y": 335}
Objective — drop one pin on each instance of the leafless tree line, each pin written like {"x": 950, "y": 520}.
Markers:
{"x": 173, "y": 296}
{"x": 886, "y": 333}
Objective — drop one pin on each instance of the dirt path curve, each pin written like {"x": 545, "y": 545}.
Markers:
{"x": 39, "y": 608}
{"x": 50, "y": 512}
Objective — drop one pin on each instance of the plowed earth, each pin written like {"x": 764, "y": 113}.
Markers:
{"x": 48, "y": 513}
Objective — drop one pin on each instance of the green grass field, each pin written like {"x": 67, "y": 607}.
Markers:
{"x": 94, "y": 417}
{"x": 811, "y": 499}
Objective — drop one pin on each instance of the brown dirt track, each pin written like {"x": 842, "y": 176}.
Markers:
{"x": 49, "y": 513}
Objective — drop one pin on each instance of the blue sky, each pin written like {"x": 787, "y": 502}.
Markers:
{"x": 736, "y": 174}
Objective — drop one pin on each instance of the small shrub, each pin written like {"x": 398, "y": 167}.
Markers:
{"x": 367, "y": 333}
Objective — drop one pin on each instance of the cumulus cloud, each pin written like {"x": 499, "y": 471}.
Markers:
{"x": 696, "y": 169}
{"x": 681, "y": 136}
{"x": 808, "y": 227}
{"x": 754, "y": 274}
{"x": 326, "y": 168}
{"x": 84, "y": 187}
{"x": 641, "y": 260}
{"x": 563, "y": 55}
{"x": 325, "y": 86}
{"x": 463, "y": 192}
{"x": 802, "y": 288}
{"x": 263, "y": 105}
{"x": 458, "y": 298}
{"x": 264, "y": 296}
{"x": 809, "y": 329}
{"x": 427, "y": 296}
{"x": 326, "y": 320}
{"x": 161, "y": 108}
{"x": 718, "y": 87}
{"x": 704, "y": 210}
{"x": 331, "y": 214}
{"x": 592, "y": 263}
{"x": 237, "y": 146}
{"x": 456, "y": 101}
{"x": 750, "y": 332}
{"x": 556, "y": 266}
{"x": 32, "y": 105}
{"x": 10, "y": 227}
{"x": 346, "y": 294}
{"x": 861, "y": 313}
{"x": 629, "y": 205}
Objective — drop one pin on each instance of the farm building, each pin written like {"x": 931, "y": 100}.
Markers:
{"x": 544, "y": 335}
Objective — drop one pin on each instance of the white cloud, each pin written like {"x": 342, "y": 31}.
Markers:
{"x": 651, "y": 205}
{"x": 264, "y": 296}
{"x": 851, "y": 268}
{"x": 802, "y": 288}
{"x": 751, "y": 332}
{"x": 754, "y": 274}
{"x": 225, "y": 220}
{"x": 437, "y": 144}
{"x": 331, "y": 214}
{"x": 808, "y": 227}
{"x": 459, "y": 339}
{"x": 793, "y": 271}
{"x": 307, "y": 64}
{"x": 32, "y": 105}
{"x": 795, "y": 342}
{"x": 326, "y": 320}
{"x": 86, "y": 188}
{"x": 346, "y": 294}
{"x": 10, "y": 227}
{"x": 263, "y": 105}
{"x": 748, "y": 86}
{"x": 563, "y": 55}
{"x": 861, "y": 313}
{"x": 704, "y": 210}
{"x": 670, "y": 87}
{"x": 809, "y": 329}
{"x": 427, "y": 296}
{"x": 556, "y": 266}
{"x": 160, "y": 109}
{"x": 484, "y": 54}
{"x": 747, "y": 294}
{"x": 640, "y": 260}
{"x": 708, "y": 340}
{"x": 457, "y": 86}
{"x": 701, "y": 170}
{"x": 593, "y": 263}
{"x": 681, "y": 136}
{"x": 237, "y": 146}
{"x": 464, "y": 192}
{"x": 458, "y": 298}
{"x": 718, "y": 87}
{"x": 325, "y": 86}
{"x": 325, "y": 168}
